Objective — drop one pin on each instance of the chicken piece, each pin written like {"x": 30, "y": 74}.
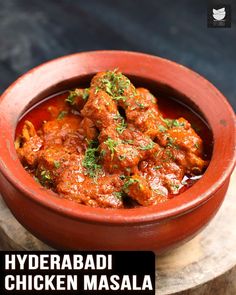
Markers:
{"x": 70, "y": 175}
{"x": 109, "y": 132}
{"x": 192, "y": 164}
{"x": 109, "y": 201}
{"x": 28, "y": 153}
{"x": 140, "y": 141}
{"x": 122, "y": 152}
{"x": 88, "y": 129}
{"x": 138, "y": 189}
{"x": 182, "y": 135}
{"x": 51, "y": 163}
{"x": 167, "y": 168}
{"x": 116, "y": 156}
{"x": 101, "y": 193}
{"x": 116, "y": 85}
{"x": 28, "y": 131}
{"x": 147, "y": 121}
{"x": 147, "y": 97}
{"x": 132, "y": 137}
{"x": 184, "y": 146}
{"x": 171, "y": 176}
{"x": 140, "y": 106}
{"x": 142, "y": 111}
{"x": 63, "y": 132}
{"x": 100, "y": 108}
{"x": 107, "y": 191}
{"x": 162, "y": 172}
{"x": 28, "y": 145}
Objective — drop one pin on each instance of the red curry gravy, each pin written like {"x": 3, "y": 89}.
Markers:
{"x": 113, "y": 145}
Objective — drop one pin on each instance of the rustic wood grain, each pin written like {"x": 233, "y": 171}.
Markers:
{"x": 205, "y": 265}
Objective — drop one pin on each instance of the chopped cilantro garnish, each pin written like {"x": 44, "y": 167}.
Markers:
{"x": 36, "y": 179}
{"x": 176, "y": 123}
{"x": 157, "y": 154}
{"x": 90, "y": 161}
{"x": 102, "y": 153}
{"x": 175, "y": 187}
{"x": 141, "y": 105}
{"x": 56, "y": 164}
{"x": 169, "y": 153}
{"x": 122, "y": 157}
{"x": 122, "y": 126}
{"x": 157, "y": 167}
{"x": 117, "y": 116}
{"x": 128, "y": 169}
{"x": 120, "y": 97}
{"x": 128, "y": 141}
{"x": 111, "y": 143}
{"x": 170, "y": 142}
{"x": 96, "y": 90}
{"x": 128, "y": 183}
{"x": 71, "y": 97}
{"x": 61, "y": 115}
{"x": 114, "y": 83}
{"x": 168, "y": 122}
{"x": 85, "y": 94}
{"x": 159, "y": 192}
{"x": 45, "y": 177}
{"x": 147, "y": 147}
{"x": 118, "y": 195}
{"x": 162, "y": 128}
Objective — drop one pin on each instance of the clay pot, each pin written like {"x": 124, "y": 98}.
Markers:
{"x": 67, "y": 225}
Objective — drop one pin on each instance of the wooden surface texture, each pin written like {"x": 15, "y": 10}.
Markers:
{"x": 205, "y": 265}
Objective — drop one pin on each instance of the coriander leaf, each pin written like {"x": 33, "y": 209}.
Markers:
{"x": 56, "y": 164}
{"x": 176, "y": 123}
{"x": 162, "y": 128}
{"x": 111, "y": 143}
{"x": 168, "y": 122}
{"x": 147, "y": 147}
{"x": 118, "y": 195}
{"x": 71, "y": 97}
{"x": 90, "y": 161}
{"x": 61, "y": 115}
{"x": 128, "y": 183}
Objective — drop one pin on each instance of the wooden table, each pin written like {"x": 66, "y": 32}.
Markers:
{"x": 204, "y": 266}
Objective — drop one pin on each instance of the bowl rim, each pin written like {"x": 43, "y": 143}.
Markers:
{"x": 173, "y": 208}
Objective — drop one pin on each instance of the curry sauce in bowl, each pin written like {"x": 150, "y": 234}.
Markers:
{"x": 113, "y": 145}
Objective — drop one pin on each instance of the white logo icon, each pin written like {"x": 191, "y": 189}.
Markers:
{"x": 219, "y": 14}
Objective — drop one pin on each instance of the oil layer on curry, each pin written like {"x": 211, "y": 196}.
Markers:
{"x": 109, "y": 146}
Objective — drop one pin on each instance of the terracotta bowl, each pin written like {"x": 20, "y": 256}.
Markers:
{"x": 64, "y": 224}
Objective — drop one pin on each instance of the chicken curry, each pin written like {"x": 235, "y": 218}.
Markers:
{"x": 110, "y": 145}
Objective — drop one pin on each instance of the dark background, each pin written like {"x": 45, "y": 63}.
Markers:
{"x": 34, "y": 31}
